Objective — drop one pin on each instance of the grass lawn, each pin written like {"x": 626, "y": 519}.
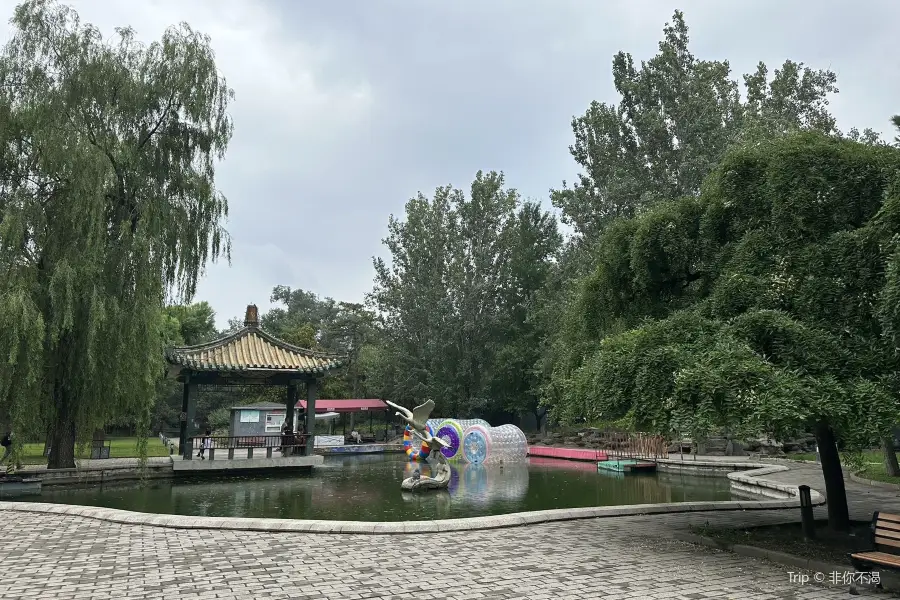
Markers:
{"x": 872, "y": 456}
{"x": 118, "y": 448}
{"x": 805, "y": 456}
{"x": 877, "y": 473}
{"x": 828, "y": 546}
{"x": 874, "y": 470}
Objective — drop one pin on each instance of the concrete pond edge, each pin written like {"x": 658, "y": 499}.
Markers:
{"x": 748, "y": 479}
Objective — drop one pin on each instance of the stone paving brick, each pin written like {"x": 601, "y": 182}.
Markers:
{"x": 617, "y": 558}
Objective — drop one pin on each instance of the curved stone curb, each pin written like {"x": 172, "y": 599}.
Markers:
{"x": 747, "y": 477}
{"x": 871, "y": 482}
{"x": 444, "y": 525}
{"x": 750, "y": 480}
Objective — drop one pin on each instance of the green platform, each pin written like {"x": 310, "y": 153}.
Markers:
{"x": 626, "y": 465}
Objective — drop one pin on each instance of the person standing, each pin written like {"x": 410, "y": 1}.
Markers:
{"x": 286, "y": 441}
{"x": 6, "y": 442}
{"x": 205, "y": 443}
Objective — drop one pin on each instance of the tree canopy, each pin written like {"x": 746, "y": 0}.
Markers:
{"x": 766, "y": 305}
{"x": 454, "y": 299}
{"x": 677, "y": 117}
{"x": 107, "y": 203}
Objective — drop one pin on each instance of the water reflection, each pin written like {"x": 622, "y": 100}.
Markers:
{"x": 481, "y": 484}
{"x": 367, "y": 488}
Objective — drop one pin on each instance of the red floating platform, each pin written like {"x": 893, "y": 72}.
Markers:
{"x": 567, "y": 453}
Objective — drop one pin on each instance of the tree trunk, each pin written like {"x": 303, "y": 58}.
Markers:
{"x": 62, "y": 446}
{"x": 62, "y": 434}
{"x": 541, "y": 424}
{"x": 890, "y": 457}
{"x": 835, "y": 492}
{"x": 47, "y": 439}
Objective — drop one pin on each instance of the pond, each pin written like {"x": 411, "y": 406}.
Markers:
{"x": 367, "y": 488}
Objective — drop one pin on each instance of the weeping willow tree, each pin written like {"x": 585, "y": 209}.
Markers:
{"x": 767, "y": 306}
{"x": 107, "y": 205}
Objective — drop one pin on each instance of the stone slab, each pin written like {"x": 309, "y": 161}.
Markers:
{"x": 246, "y": 464}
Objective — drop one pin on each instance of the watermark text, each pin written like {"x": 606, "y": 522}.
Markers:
{"x": 836, "y": 577}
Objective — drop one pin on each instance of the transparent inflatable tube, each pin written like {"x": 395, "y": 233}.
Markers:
{"x": 508, "y": 444}
{"x": 505, "y": 443}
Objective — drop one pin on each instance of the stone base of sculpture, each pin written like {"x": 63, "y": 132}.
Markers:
{"x": 440, "y": 481}
{"x": 417, "y": 419}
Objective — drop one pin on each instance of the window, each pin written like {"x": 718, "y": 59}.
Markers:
{"x": 274, "y": 421}
{"x": 249, "y": 416}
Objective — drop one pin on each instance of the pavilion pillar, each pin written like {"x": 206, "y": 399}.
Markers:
{"x": 188, "y": 412}
{"x": 290, "y": 405}
{"x": 310, "y": 415}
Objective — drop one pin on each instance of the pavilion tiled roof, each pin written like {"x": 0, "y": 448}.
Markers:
{"x": 252, "y": 349}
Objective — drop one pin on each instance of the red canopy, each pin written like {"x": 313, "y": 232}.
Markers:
{"x": 339, "y": 406}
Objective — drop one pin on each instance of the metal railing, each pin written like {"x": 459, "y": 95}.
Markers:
{"x": 622, "y": 444}
{"x": 286, "y": 445}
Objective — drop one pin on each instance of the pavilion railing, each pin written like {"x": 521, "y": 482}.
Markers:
{"x": 635, "y": 445}
{"x": 216, "y": 445}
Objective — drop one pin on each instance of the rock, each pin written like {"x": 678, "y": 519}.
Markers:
{"x": 737, "y": 449}
{"x": 714, "y": 446}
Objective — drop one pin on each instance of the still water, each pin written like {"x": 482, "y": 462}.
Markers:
{"x": 367, "y": 488}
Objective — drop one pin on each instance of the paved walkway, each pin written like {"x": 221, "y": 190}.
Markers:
{"x": 863, "y": 499}
{"x": 60, "y": 556}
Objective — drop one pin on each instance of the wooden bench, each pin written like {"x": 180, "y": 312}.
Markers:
{"x": 885, "y": 544}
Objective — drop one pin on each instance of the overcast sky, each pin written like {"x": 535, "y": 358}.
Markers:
{"x": 345, "y": 109}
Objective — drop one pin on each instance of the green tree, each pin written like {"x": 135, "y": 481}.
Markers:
{"x": 453, "y": 302}
{"x": 411, "y": 297}
{"x": 107, "y": 202}
{"x": 219, "y": 419}
{"x": 350, "y": 331}
{"x": 676, "y": 118}
{"x": 196, "y": 322}
{"x": 762, "y": 306}
{"x": 184, "y": 324}
{"x": 535, "y": 245}
{"x": 295, "y": 308}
